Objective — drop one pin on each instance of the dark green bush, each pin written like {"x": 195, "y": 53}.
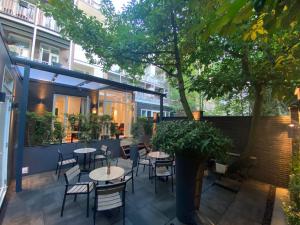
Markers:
{"x": 191, "y": 138}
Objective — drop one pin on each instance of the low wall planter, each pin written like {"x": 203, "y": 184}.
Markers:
{"x": 44, "y": 158}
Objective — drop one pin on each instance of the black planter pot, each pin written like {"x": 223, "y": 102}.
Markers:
{"x": 187, "y": 170}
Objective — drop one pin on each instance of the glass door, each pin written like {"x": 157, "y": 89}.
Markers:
{"x": 5, "y": 113}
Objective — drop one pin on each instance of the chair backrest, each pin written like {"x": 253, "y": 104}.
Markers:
{"x": 111, "y": 189}
{"x": 134, "y": 156}
{"x": 103, "y": 148}
{"x": 72, "y": 173}
{"x": 163, "y": 163}
{"x": 60, "y": 155}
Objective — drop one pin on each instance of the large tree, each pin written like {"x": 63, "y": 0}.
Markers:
{"x": 244, "y": 49}
{"x": 146, "y": 32}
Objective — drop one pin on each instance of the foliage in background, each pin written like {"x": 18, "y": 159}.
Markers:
{"x": 136, "y": 37}
{"x": 141, "y": 128}
{"x": 292, "y": 208}
{"x": 40, "y": 131}
{"x": 191, "y": 138}
{"x": 58, "y": 133}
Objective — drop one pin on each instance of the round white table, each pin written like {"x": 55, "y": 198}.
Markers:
{"x": 158, "y": 155}
{"x": 100, "y": 174}
{"x": 84, "y": 151}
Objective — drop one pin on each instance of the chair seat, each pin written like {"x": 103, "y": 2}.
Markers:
{"x": 100, "y": 157}
{"x": 163, "y": 172}
{"x": 144, "y": 162}
{"x": 127, "y": 178}
{"x": 67, "y": 161}
{"x": 81, "y": 187}
{"x": 109, "y": 201}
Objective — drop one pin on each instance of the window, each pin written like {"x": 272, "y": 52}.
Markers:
{"x": 64, "y": 105}
{"x": 143, "y": 113}
{"x": 49, "y": 55}
{"x": 19, "y": 46}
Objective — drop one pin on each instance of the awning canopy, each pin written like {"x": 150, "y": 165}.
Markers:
{"x": 57, "y": 75}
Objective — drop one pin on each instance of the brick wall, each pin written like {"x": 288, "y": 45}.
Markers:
{"x": 273, "y": 147}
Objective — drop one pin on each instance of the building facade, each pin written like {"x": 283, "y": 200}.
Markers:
{"x": 32, "y": 35}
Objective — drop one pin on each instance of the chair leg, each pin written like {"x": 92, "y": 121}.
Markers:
{"x": 124, "y": 215}
{"x": 94, "y": 216}
{"x": 132, "y": 183}
{"x": 59, "y": 171}
{"x": 155, "y": 184}
{"x": 144, "y": 168}
{"x": 88, "y": 205}
{"x": 63, "y": 206}
{"x": 172, "y": 183}
{"x": 56, "y": 169}
{"x": 75, "y": 198}
{"x": 137, "y": 169}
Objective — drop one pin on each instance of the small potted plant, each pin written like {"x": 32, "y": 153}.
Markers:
{"x": 222, "y": 163}
{"x": 114, "y": 130}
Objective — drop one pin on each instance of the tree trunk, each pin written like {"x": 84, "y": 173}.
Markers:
{"x": 183, "y": 98}
{"x": 254, "y": 121}
{"x": 179, "y": 75}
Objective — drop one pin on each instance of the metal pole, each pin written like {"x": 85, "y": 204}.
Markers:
{"x": 21, "y": 128}
{"x": 161, "y": 111}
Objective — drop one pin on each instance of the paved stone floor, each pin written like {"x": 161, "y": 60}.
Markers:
{"x": 40, "y": 203}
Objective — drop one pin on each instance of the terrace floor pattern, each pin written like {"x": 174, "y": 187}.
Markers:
{"x": 40, "y": 203}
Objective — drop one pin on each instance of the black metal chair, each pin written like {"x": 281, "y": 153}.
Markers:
{"x": 144, "y": 160}
{"x": 163, "y": 168}
{"x": 76, "y": 188}
{"x": 109, "y": 197}
{"x": 65, "y": 160}
{"x": 129, "y": 175}
{"x": 101, "y": 155}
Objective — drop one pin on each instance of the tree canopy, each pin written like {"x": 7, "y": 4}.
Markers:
{"x": 146, "y": 32}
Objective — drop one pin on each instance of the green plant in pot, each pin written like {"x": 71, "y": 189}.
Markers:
{"x": 85, "y": 130}
{"x": 222, "y": 161}
{"x": 114, "y": 130}
{"x": 192, "y": 143}
{"x": 58, "y": 133}
{"x": 73, "y": 120}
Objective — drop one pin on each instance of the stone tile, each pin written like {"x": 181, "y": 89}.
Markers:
{"x": 40, "y": 203}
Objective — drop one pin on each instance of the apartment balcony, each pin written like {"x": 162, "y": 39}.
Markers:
{"x": 151, "y": 99}
{"x": 20, "y": 9}
{"x": 47, "y": 22}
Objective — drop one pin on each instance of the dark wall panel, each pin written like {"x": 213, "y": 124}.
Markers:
{"x": 41, "y": 95}
{"x": 273, "y": 147}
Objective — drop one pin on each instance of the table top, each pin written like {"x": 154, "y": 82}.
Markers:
{"x": 84, "y": 150}
{"x": 158, "y": 155}
{"x": 100, "y": 174}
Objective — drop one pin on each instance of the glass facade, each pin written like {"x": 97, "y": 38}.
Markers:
{"x": 120, "y": 106}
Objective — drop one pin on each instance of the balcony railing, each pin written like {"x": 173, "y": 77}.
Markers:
{"x": 94, "y": 3}
{"x": 20, "y": 9}
{"x": 47, "y": 22}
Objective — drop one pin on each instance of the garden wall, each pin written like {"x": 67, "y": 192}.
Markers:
{"x": 273, "y": 148}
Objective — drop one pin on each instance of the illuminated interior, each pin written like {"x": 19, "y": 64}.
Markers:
{"x": 120, "y": 106}
{"x": 64, "y": 105}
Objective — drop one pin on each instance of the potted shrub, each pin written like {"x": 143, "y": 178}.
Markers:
{"x": 222, "y": 163}
{"x": 192, "y": 143}
{"x": 114, "y": 130}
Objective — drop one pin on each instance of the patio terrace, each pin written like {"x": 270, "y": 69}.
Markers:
{"x": 40, "y": 202}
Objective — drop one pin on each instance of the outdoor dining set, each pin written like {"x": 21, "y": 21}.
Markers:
{"x": 109, "y": 180}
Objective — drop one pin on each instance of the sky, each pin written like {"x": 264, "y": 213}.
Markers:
{"x": 119, "y": 3}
